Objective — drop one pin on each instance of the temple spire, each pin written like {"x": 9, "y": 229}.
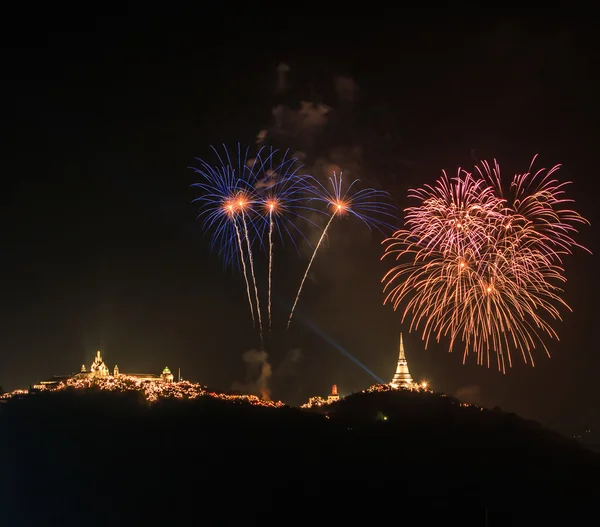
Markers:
{"x": 401, "y": 356}
{"x": 402, "y": 377}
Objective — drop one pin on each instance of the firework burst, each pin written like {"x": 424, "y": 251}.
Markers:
{"x": 484, "y": 269}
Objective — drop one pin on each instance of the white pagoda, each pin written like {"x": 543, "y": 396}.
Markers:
{"x": 402, "y": 377}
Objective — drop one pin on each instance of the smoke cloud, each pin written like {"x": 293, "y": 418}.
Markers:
{"x": 282, "y": 71}
{"x": 323, "y": 136}
{"x": 302, "y": 127}
{"x": 325, "y": 141}
{"x": 346, "y": 88}
{"x": 259, "y": 371}
{"x": 289, "y": 362}
{"x": 321, "y": 123}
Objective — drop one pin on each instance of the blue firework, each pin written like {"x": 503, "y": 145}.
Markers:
{"x": 268, "y": 188}
{"x": 226, "y": 190}
{"x": 371, "y": 206}
{"x": 282, "y": 199}
{"x": 246, "y": 200}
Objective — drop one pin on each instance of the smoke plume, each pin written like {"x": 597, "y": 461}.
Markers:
{"x": 259, "y": 372}
{"x": 282, "y": 71}
{"x": 346, "y": 89}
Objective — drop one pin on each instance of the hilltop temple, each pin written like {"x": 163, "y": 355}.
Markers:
{"x": 334, "y": 395}
{"x": 402, "y": 377}
{"x": 99, "y": 369}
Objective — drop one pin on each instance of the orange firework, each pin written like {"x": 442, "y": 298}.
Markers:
{"x": 480, "y": 268}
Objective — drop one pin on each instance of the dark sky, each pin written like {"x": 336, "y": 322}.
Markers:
{"x": 101, "y": 248}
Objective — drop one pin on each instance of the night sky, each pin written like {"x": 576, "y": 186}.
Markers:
{"x": 101, "y": 247}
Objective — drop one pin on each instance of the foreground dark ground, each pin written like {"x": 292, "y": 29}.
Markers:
{"x": 111, "y": 459}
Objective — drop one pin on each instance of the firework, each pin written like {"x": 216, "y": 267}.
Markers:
{"x": 367, "y": 205}
{"x": 283, "y": 193}
{"x": 226, "y": 192}
{"x": 245, "y": 196}
{"x": 221, "y": 187}
{"x": 481, "y": 268}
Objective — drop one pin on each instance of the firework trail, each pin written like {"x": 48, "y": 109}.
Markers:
{"x": 482, "y": 268}
{"x": 367, "y": 205}
{"x": 270, "y": 262}
{"x": 323, "y": 234}
{"x": 251, "y": 260}
{"x": 245, "y": 272}
{"x": 226, "y": 190}
{"x": 285, "y": 193}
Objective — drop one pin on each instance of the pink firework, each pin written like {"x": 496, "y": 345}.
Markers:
{"x": 480, "y": 268}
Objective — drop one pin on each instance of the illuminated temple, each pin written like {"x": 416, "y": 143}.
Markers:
{"x": 334, "y": 395}
{"x": 99, "y": 369}
{"x": 402, "y": 377}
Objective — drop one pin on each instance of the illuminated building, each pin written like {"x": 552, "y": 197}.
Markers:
{"x": 402, "y": 377}
{"x": 99, "y": 370}
{"x": 166, "y": 375}
{"x": 55, "y": 381}
{"x": 315, "y": 401}
{"x": 334, "y": 395}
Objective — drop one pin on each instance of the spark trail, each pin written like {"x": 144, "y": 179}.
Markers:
{"x": 310, "y": 264}
{"x": 245, "y": 272}
{"x": 270, "y": 261}
{"x": 367, "y": 205}
{"x": 251, "y": 260}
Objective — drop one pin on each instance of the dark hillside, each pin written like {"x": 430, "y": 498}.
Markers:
{"x": 98, "y": 458}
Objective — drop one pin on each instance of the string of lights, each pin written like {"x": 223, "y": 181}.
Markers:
{"x": 152, "y": 391}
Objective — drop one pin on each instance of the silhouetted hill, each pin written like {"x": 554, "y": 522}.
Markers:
{"x": 106, "y": 458}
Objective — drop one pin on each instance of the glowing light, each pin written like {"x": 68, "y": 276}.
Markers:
{"x": 339, "y": 207}
{"x": 412, "y": 387}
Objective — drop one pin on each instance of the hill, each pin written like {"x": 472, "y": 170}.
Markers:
{"x": 89, "y": 457}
